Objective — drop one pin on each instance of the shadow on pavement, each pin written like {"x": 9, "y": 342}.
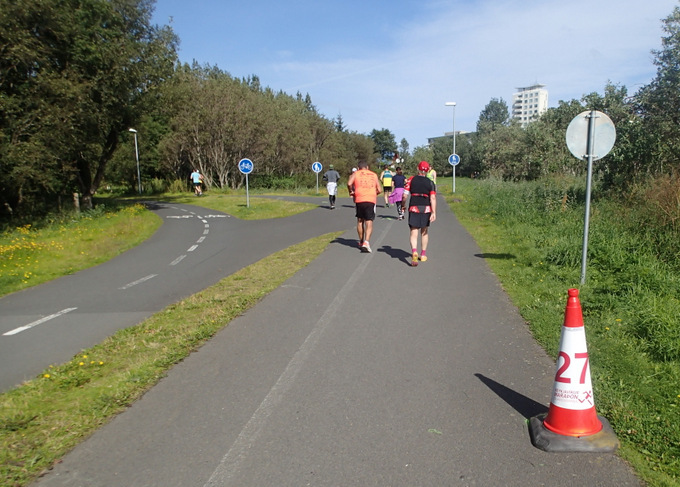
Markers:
{"x": 354, "y": 243}
{"x": 399, "y": 254}
{"x": 495, "y": 256}
{"x": 523, "y": 405}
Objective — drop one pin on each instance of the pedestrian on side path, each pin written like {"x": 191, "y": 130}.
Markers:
{"x": 364, "y": 186}
{"x": 197, "y": 180}
{"x": 332, "y": 178}
{"x": 422, "y": 210}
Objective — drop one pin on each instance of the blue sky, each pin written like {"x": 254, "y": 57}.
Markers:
{"x": 393, "y": 64}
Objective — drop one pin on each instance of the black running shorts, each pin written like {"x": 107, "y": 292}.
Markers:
{"x": 419, "y": 220}
{"x": 366, "y": 211}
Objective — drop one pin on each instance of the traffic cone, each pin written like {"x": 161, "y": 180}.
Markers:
{"x": 572, "y": 423}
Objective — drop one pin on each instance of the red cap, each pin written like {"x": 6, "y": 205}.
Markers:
{"x": 423, "y": 166}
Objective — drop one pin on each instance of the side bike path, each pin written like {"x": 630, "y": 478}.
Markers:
{"x": 359, "y": 370}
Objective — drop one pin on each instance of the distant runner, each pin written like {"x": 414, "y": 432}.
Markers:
{"x": 332, "y": 177}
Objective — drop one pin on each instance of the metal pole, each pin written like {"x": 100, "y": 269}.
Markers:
{"x": 247, "y": 193}
{"x": 453, "y": 189}
{"x": 589, "y": 150}
{"x": 139, "y": 175}
{"x": 453, "y": 104}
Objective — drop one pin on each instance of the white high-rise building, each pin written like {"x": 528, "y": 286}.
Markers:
{"x": 529, "y": 103}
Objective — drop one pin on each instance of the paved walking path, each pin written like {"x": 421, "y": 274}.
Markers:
{"x": 359, "y": 370}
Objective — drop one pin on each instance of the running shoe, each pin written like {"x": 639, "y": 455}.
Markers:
{"x": 423, "y": 258}
{"x": 414, "y": 259}
{"x": 365, "y": 247}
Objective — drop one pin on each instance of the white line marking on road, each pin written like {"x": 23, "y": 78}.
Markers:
{"x": 39, "y": 322}
{"x": 200, "y": 240}
{"x": 138, "y": 281}
{"x": 192, "y": 248}
{"x": 231, "y": 461}
{"x": 177, "y": 260}
{"x": 206, "y": 231}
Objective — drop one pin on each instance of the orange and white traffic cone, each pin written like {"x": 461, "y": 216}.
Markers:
{"x": 571, "y": 423}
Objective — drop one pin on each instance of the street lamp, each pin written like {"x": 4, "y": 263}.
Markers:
{"x": 139, "y": 176}
{"x": 453, "y": 104}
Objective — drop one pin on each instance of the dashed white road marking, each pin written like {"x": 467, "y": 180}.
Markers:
{"x": 138, "y": 281}
{"x": 39, "y": 322}
{"x": 202, "y": 218}
{"x": 192, "y": 248}
{"x": 177, "y": 260}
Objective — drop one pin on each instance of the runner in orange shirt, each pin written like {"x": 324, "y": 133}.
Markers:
{"x": 365, "y": 187}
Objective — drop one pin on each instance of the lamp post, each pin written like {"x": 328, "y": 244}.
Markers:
{"x": 139, "y": 176}
{"x": 453, "y": 104}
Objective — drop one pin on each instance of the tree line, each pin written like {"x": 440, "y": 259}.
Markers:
{"x": 76, "y": 75}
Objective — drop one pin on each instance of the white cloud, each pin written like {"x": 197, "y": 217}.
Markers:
{"x": 394, "y": 64}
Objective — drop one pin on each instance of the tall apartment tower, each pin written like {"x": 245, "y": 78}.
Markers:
{"x": 529, "y": 103}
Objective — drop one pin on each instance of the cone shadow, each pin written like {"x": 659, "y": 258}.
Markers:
{"x": 522, "y": 404}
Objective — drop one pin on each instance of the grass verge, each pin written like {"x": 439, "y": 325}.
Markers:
{"x": 46, "y": 417}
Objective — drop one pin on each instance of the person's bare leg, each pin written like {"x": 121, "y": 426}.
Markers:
{"x": 360, "y": 229}
{"x": 413, "y": 238}
{"x": 369, "y": 230}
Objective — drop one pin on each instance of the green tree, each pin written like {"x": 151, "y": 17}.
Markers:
{"x": 73, "y": 77}
{"x": 494, "y": 115}
{"x": 404, "y": 149}
{"x": 385, "y": 145}
{"x": 659, "y": 102}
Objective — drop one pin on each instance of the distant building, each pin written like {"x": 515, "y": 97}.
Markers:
{"x": 529, "y": 103}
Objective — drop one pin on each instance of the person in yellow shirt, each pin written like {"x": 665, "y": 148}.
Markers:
{"x": 386, "y": 179}
{"x": 432, "y": 175}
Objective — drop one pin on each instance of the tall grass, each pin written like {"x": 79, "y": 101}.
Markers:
{"x": 630, "y": 298}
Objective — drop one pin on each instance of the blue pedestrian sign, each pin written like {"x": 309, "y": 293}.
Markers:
{"x": 317, "y": 167}
{"x": 454, "y": 159}
{"x": 245, "y": 166}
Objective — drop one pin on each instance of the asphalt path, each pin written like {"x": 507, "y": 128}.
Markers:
{"x": 194, "y": 248}
{"x": 359, "y": 370}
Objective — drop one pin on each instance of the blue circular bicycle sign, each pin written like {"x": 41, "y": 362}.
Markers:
{"x": 454, "y": 159}
{"x": 317, "y": 167}
{"x": 245, "y": 166}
